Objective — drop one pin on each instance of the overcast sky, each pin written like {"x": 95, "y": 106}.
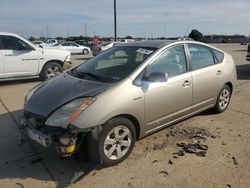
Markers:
{"x": 138, "y": 18}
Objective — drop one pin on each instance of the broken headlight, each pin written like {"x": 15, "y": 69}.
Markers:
{"x": 69, "y": 112}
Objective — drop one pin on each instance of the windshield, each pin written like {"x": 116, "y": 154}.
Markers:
{"x": 114, "y": 64}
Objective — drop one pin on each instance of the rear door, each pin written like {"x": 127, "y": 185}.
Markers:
{"x": 207, "y": 76}
{"x": 20, "y": 59}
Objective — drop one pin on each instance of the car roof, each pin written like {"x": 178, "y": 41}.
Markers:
{"x": 9, "y": 34}
{"x": 149, "y": 43}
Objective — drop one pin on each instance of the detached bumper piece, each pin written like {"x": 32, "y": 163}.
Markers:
{"x": 64, "y": 140}
{"x": 34, "y": 134}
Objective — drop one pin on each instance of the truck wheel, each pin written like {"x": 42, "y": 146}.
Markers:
{"x": 115, "y": 142}
{"x": 51, "y": 70}
{"x": 85, "y": 51}
{"x": 223, "y": 100}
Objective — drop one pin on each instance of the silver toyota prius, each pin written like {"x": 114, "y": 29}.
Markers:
{"x": 103, "y": 106}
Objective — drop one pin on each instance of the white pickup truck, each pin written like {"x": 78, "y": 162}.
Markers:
{"x": 20, "y": 59}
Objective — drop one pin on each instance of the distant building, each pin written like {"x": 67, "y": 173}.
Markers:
{"x": 226, "y": 39}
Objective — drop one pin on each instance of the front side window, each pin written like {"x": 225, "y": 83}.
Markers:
{"x": 200, "y": 56}
{"x": 114, "y": 64}
{"x": 13, "y": 43}
{"x": 172, "y": 62}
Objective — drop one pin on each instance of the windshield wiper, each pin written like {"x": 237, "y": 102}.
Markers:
{"x": 89, "y": 74}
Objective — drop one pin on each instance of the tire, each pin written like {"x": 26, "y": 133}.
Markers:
{"x": 85, "y": 51}
{"x": 114, "y": 144}
{"x": 51, "y": 70}
{"x": 223, "y": 100}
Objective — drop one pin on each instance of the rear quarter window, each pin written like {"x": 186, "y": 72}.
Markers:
{"x": 218, "y": 55}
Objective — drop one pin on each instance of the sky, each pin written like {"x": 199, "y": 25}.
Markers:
{"x": 138, "y": 18}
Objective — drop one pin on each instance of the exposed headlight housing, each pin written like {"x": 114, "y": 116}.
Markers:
{"x": 69, "y": 112}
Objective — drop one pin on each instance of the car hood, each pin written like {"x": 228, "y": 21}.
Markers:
{"x": 60, "y": 90}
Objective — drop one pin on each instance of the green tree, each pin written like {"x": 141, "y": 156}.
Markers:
{"x": 31, "y": 38}
{"x": 196, "y": 35}
{"x": 128, "y": 37}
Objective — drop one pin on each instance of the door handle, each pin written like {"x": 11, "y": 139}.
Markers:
{"x": 219, "y": 72}
{"x": 186, "y": 83}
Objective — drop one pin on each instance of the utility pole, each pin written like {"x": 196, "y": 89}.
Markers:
{"x": 47, "y": 31}
{"x": 68, "y": 29}
{"x": 85, "y": 29}
{"x": 115, "y": 27}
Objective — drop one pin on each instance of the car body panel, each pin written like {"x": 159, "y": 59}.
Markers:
{"x": 160, "y": 100}
{"x": 56, "y": 92}
{"x": 20, "y": 62}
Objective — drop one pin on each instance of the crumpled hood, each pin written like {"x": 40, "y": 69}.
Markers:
{"x": 60, "y": 90}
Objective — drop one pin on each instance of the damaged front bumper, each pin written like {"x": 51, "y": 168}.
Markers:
{"x": 66, "y": 141}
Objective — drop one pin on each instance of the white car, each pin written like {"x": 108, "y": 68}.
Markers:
{"x": 20, "y": 59}
{"x": 39, "y": 43}
{"x": 72, "y": 47}
{"x": 51, "y": 42}
{"x": 105, "y": 46}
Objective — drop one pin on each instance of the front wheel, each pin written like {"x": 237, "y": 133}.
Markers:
{"x": 51, "y": 70}
{"x": 223, "y": 99}
{"x": 115, "y": 142}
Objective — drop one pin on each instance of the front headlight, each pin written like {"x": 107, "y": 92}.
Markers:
{"x": 69, "y": 112}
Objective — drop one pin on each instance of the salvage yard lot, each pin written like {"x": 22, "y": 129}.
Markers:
{"x": 152, "y": 163}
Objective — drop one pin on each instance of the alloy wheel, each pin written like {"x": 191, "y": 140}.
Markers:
{"x": 224, "y": 99}
{"x": 117, "y": 143}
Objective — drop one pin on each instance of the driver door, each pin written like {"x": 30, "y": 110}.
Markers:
{"x": 20, "y": 59}
{"x": 166, "y": 102}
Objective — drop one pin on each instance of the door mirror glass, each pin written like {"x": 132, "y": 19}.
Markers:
{"x": 156, "y": 77}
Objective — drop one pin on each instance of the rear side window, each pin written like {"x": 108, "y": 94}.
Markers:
{"x": 219, "y": 55}
{"x": 200, "y": 56}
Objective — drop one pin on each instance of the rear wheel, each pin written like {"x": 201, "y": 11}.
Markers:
{"x": 51, "y": 70}
{"x": 85, "y": 51}
{"x": 115, "y": 142}
{"x": 223, "y": 99}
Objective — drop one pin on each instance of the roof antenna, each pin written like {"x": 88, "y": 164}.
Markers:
{"x": 186, "y": 32}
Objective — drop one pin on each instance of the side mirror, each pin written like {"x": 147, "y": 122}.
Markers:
{"x": 157, "y": 77}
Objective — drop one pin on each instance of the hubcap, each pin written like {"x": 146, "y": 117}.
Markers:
{"x": 224, "y": 99}
{"x": 53, "y": 71}
{"x": 117, "y": 142}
